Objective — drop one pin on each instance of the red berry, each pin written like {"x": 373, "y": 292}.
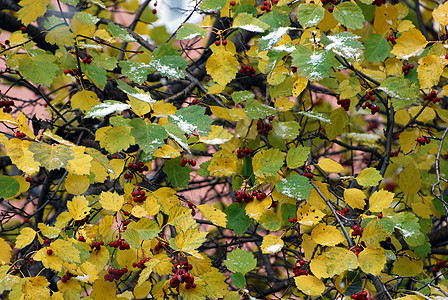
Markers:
{"x": 154, "y": 11}
{"x": 411, "y": 66}
{"x": 380, "y": 216}
{"x": 26, "y": 220}
{"x": 217, "y": 43}
{"x": 224, "y": 42}
{"x": 49, "y": 252}
{"x": 232, "y": 3}
{"x": 31, "y": 261}
{"x": 330, "y": 9}
{"x": 47, "y": 241}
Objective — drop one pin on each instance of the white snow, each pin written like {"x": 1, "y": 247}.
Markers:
{"x": 285, "y": 48}
{"x": 339, "y": 46}
{"x": 273, "y": 248}
{"x": 252, "y": 28}
{"x": 106, "y": 108}
{"x": 274, "y": 37}
{"x": 184, "y": 125}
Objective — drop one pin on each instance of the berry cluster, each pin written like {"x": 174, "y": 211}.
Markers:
{"x": 80, "y": 222}
{"x": 379, "y": 2}
{"x": 357, "y": 249}
{"x": 344, "y": 211}
{"x": 6, "y": 106}
{"x": 432, "y": 97}
{"x": 20, "y": 134}
{"x": 139, "y": 196}
{"x": 292, "y": 220}
{"x": 74, "y": 72}
{"x": 265, "y": 125}
{"x": 391, "y": 39}
{"x": 300, "y": 271}
{"x": 241, "y": 153}
{"x": 120, "y": 244}
{"x": 308, "y": 175}
{"x": 181, "y": 275}
{"x": 185, "y": 161}
{"x": 357, "y": 230}
{"x": 115, "y": 274}
{"x": 406, "y": 68}
{"x": 87, "y": 60}
{"x": 267, "y": 6}
{"x": 394, "y": 154}
{"x": 373, "y": 108}
{"x": 23, "y": 29}
{"x": 242, "y": 196}
{"x": 439, "y": 265}
{"x": 67, "y": 276}
{"x": 360, "y": 296}
{"x": 218, "y": 42}
{"x": 423, "y": 140}
{"x": 345, "y": 103}
{"x": 97, "y": 245}
{"x": 370, "y": 96}
{"x": 141, "y": 263}
{"x": 247, "y": 69}
{"x": 82, "y": 239}
{"x": 137, "y": 167}
{"x": 191, "y": 206}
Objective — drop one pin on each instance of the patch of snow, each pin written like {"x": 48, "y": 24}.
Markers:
{"x": 274, "y": 37}
{"x": 184, "y": 125}
{"x": 316, "y": 116}
{"x": 273, "y": 248}
{"x": 106, "y": 108}
{"x": 252, "y": 28}
{"x": 285, "y": 48}
{"x": 191, "y": 36}
{"x": 339, "y": 46}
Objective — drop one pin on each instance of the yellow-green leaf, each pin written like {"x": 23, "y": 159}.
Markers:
{"x": 25, "y": 237}
{"x": 31, "y": 10}
{"x": 369, "y": 177}
{"x": 213, "y": 214}
{"x": 440, "y": 14}
{"x": 271, "y": 244}
{"x": 339, "y": 119}
{"x": 309, "y": 215}
{"x": 410, "y": 180}
{"x": 372, "y": 261}
{"x": 84, "y": 100}
{"x": 111, "y": 201}
{"x": 355, "y": 198}
{"x": 380, "y": 200}
{"x": 222, "y": 66}
{"x": 5, "y": 252}
{"x": 429, "y": 69}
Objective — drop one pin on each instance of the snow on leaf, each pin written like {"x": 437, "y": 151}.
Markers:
{"x": 271, "y": 244}
{"x": 310, "y": 15}
{"x": 170, "y": 66}
{"x": 120, "y": 33}
{"x": 315, "y": 115}
{"x": 190, "y": 31}
{"x": 248, "y": 22}
{"x": 106, "y": 108}
{"x": 240, "y": 261}
{"x": 135, "y": 92}
{"x": 345, "y": 44}
{"x": 268, "y": 41}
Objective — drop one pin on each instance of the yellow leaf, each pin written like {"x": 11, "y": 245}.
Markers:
{"x": 310, "y": 285}
{"x": 328, "y": 22}
{"x": 349, "y": 88}
{"x": 104, "y": 35}
{"x": 218, "y": 135}
{"x": 408, "y": 264}
{"x": 309, "y": 215}
{"x": 105, "y": 226}
{"x": 162, "y": 109}
{"x": 222, "y": 66}
{"x": 385, "y": 18}
{"x": 283, "y": 104}
{"x": 5, "y": 252}
{"x": 24, "y": 185}
{"x": 405, "y": 25}
{"x": 139, "y": 211}
{"x": 7, "y": 118}
{"x": 116, "y": 138}
{"x": 409, "y": 44}
{"x": 373, "y": 234}
{"x": 271, "y": 244}
{"x": 372, "y": 261}
{"x": 299, "y": 86}
{"x": 380, "y": 200}
{"x": 189, "y": 240}
{"x": 410, "y": 180}
{"x": 214, "y": 215}
{"x": 36, "y": 288}
{"x": 25, "y": 237}
{"x": 60, "y": 36}
{"x": 80, "y": 28}
{"x": 48, "y": 231}
{"x": 140, "y": 292}
{"x": 66, "y": 251}
{"x": 440, "y": 14}
{"x": 429, "y": 70}
{"x": 215, "y": 283}
{"x": 111, "y": 201}
{"x": 84, "y": 100}
{"x": 256, "y": 208}
{"x": 355, "y": 198}
{"x": 278, "y": 75}
{"x": 393, "y": 66}
{"x": 140, "y": 107}
{"x": 78, "y": 207}
{"x": 422, "y": 210}
{"x": 22, "y": 123}
{"x": 81, "y": 163}
{"x": 77, "y": 184}
{"x": 327, "y": 235}
{"x": 103, "y": 290}
{"x": 165, "y": 196}
{"x": 407, "y": 140}
{"x": 316, "y": 200}
{"x": 31, "y": 10}
{"x": 166, "y": 151}
{"x": 70, "y": 289}
{"x": 223, "y": 163}
{"x": 52, "y": 262}
{"x": 330, "y": 166}
{"x": 369, "y": 177}
{"x": 23, "y": 158}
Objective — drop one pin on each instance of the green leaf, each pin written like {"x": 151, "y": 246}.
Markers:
{"x": 248, "y": 22}
{"x": 132, "y": 238}
{"x": 134, "y": 70}
{"x": 408, "y": 224}
{"x": 256, "y": 110}
{"x": 310, "y": 15}
{"x": 170, "y": 66}
{"x": 238, "y": 280}
{"x": 400, "y": 89}
{"x": 96, "y": 74}
{"x": 147, "y": 229}
{"x": 288, "y": 211}
{"x": 270, "y": 220}
{"x": 267, "y": 162}
{"x": 106, "y": 108}
{"x": 339, "y": 119}
{"x": 203, "y": 169}
{"x": 297, "y": 156}
{"x": 190, "y": 31}
{"x": 40, "y": 68}
{"x": 350, "y": 282}
{"x": 278, "y": 17}
{"x": 314, "y": 65}
{"x": 369, "y": 177}
{"x": 270, "y": 40}
{"x": 315, "y": 116}
{"x": 237, "y": 220}
{"x": 240, "y": 261}
{"x": 287, "y": 130}
{"x": 178, "y": 176}
{"x": 120, "y": 33}
{"x": 349, "y": 14}
{"x": 135, "y": 92}
{"x": 192, "y": 118}
{"x": 51, "y": 157}
{"x": 345, "y": 44}
{"x": 177, "y": 134}
{"x": 212, "y": 5}
{"x": 376, "y": 48}
{"x": 9, "y": 186}
{"x": 148, "y": 136}
{"x": 241, "y": 96}
{"x": 295, "y": 186}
